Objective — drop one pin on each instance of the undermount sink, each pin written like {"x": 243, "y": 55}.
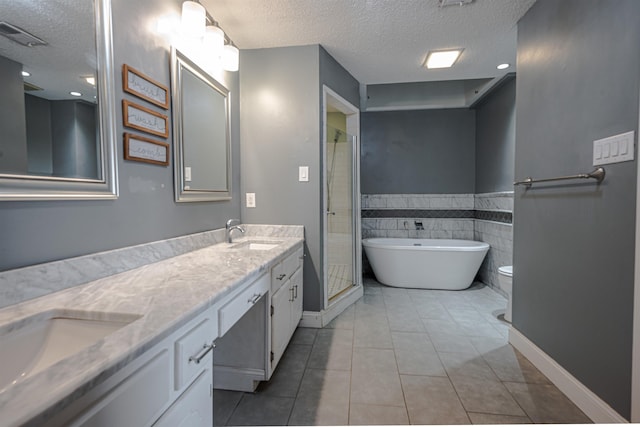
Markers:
{"x": 255, "y": 245}
{"x": 49, "y": 337}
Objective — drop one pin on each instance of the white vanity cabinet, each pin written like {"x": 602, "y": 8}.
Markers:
{"x": 249, "y": 351}
{"x": 171, "y": 384}
{"x": 286, "y": 304}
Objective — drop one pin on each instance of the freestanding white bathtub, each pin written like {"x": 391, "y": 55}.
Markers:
{"x": 425, "y": 263}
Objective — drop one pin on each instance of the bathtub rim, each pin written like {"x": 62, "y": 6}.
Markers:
{"x": 471, "y": 245}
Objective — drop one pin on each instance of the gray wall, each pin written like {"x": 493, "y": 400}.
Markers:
{"x": 38, "y": 112}
{"x": 280, "y": 131}
{"x": 13, "y": 143}
{"x": 336, "y": 77}
{"x": 496, "y": 139}
{"x": 423, "y": 151}
{"x": 36, "y": 232}
{"x": 281, "y": 106}
{"x": 73, "y": 129}
{"x": 574, "y": 244}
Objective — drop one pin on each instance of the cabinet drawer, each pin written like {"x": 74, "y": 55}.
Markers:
{"x": 278, "y": 277}
{"x": 281, "y": 272}
{"x": 193, "y": 352}
{"x": 232, "y": 311}
{"x": 293, "y": 262}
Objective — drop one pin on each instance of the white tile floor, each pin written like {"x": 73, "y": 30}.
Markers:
{"x": 403, "y": 356}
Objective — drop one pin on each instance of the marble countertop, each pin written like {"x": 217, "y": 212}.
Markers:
{"x": 166, "y": 294}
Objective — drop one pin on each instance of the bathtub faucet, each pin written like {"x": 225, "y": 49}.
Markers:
{"x": 419, "y": 225}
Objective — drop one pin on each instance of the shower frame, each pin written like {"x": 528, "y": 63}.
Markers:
{"x": 334, "y": 307}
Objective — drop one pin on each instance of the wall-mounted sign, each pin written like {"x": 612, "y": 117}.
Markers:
{"x": 136, "y": 83}
{"x": 142, "y": 118}
{"x": 142, "y": 149}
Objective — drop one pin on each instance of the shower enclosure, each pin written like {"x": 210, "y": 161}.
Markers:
{"x": 340, "y": 201}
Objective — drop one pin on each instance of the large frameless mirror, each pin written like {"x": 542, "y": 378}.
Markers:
{"x": 57, "y": 109}
{"x": 201, "y": 133}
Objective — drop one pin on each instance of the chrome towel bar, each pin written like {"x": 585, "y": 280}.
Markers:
{"x": 597, "y": 174}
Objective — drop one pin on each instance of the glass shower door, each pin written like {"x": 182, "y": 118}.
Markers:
{"x": 340, "y": 207}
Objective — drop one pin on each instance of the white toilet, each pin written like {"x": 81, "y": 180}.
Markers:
{"x": 505, "y": 279}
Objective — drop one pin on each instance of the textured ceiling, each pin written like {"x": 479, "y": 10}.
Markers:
{"x": 382, "y": 41}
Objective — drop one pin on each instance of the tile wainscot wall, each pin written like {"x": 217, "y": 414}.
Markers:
{"x": 484, "y": 217}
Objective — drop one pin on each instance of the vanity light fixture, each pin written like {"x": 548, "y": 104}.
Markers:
{"x": 199, "y": 34}
{"x": 74, "y": 93}
{"x": 503, "y": 66}
{"x": 442, "y": 58}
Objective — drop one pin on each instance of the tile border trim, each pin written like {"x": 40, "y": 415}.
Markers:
{"x": 496, "y": 216}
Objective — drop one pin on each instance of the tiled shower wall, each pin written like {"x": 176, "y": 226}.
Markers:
{"x": 484, "y": 217}
{"x": 498, "y": 234}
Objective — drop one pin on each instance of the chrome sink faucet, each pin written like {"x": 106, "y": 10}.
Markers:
{"x": 232, "y": 224}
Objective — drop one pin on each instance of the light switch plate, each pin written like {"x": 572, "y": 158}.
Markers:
{"x": 614, "y": 149}
{"x": 303, "y": 173}
{"x": 187, "y": 174}
{"x": 251, "y": 200}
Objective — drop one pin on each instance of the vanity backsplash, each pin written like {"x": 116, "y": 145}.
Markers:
{"x": 26, "y": 283}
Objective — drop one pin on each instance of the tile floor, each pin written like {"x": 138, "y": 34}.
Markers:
{"x": 403, "y": 356}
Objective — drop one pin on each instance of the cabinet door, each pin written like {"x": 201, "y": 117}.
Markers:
{"x": 194, "y": 408}
{"x": 138, "y": 401}
{"x": 280, "y": 321}
{"x": 296, "y": 304}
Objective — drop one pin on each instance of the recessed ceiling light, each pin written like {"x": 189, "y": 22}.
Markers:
{"x": 503, "y": 66}
{"x": 26, "y": 74}
{"x": 75, "y": 93}
{"x": 91, "y": 80}
{"x": 442, "y": 58}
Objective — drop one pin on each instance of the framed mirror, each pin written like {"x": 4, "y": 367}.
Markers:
{"x": 57, "y": 111}
{"x": 201, "y": 133}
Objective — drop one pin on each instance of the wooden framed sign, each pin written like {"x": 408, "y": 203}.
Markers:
{"x": 142, "y": 149}
{"x": 136, "y": 83}
{"x": 142, "y": 118}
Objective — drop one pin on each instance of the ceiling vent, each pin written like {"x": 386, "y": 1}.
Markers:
{"x": 19, "y": 35}
{"x": 444, "y": 3}
{"x": 30, "y": 87}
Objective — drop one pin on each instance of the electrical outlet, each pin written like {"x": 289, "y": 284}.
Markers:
{"x": 251, "y": 200}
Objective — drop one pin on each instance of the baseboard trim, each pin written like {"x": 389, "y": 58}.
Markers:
{"x": 594, "y": 407}
{"x": 320, "y": 319}
{"x": 237, "y": 379}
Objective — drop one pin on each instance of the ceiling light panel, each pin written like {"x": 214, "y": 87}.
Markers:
{"x": 442, "y": 58}
{"x": 445, "y": 3}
